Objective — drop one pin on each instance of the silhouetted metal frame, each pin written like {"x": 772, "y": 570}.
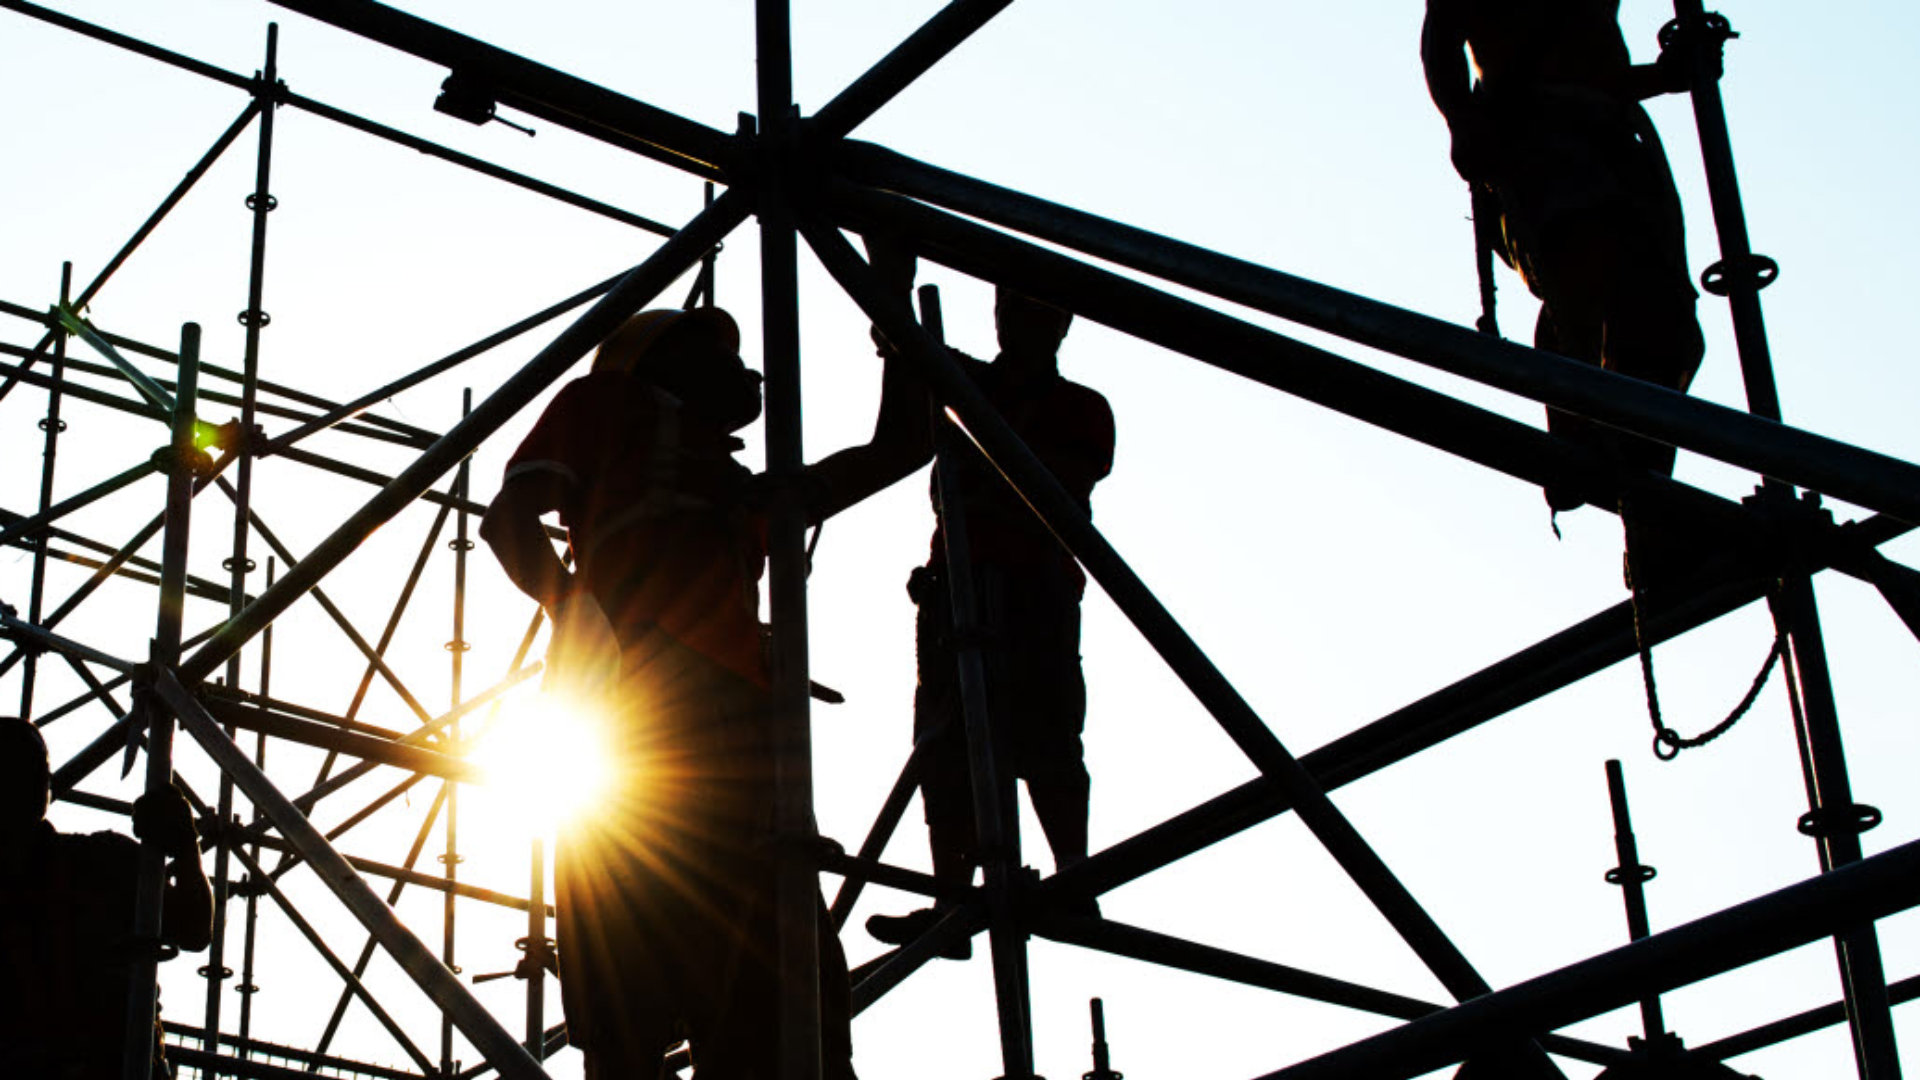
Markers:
{"x": 1774, "y": 450}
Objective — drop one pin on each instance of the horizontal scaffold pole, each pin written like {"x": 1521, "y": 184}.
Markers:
{"x": 1771, "y": 449}
{"x": 1871, "y": 889}
{"x": 536, "y": 89}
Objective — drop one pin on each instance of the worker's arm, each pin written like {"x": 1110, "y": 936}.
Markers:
{"x": 186, "y": 914}
{"x": 512, "y": 528}
{"x": 1673, "y": 72}
{"x": 1443, "y": 56}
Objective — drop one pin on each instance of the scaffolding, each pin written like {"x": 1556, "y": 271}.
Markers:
{"x": 803, "y": 177}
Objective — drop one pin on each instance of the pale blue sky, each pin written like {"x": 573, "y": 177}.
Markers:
{"x": 1334, "y": 572}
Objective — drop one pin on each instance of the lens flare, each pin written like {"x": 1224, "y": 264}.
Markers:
{"x": 549, "y": 762}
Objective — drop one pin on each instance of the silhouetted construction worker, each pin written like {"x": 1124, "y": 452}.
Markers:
{"x": 664, "y": 898}
{"x": 1028, "y": 591}
{"x": 66, "y": 920}
{"x": 1548, "y": 119}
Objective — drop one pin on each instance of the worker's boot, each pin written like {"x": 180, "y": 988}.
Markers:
{"x": 904, "y": 929}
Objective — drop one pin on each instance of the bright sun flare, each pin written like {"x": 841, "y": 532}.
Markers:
{"x": 547, "y": 761}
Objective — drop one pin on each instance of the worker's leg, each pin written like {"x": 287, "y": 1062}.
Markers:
{"x": 1049, "y": 709}
{"x": 945, "y": 790}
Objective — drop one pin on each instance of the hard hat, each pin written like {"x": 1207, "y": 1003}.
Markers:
{"x": 626, "y": 347}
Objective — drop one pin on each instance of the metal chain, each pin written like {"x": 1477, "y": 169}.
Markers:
{"x": 1667, "y": 742}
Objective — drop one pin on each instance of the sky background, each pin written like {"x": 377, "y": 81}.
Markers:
{"x": 1333, "y": 571}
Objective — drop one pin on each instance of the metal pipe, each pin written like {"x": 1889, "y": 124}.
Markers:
{"x": 634, "y": 290}
{"x": 996, "y": 825}
{"x": 1532, "y": 673}
{"x": 238, "y": 564}
{"x": 336, "y": 414}
{"x": 393, "y": 897}
{"x": 333, "y": 611}
{"x": 1135, "y": 943}
{"x": 1835, "y": 823}
{"x": 441, "y": 985}
{"x": 135, "y": 45}
{"x": 909, "y": 60}
{"x": 50, "y": 425}
{"x": 1870, "y": 889}
{"x": 136, "y": 407}
{"x": 797, "y": 1023}
{"x": 533, "y": 88}
{"x": 450, "y": 859}
{"x": 419, "y": 878}
{"x": 1803, "y": 1023}
{"x": 359, "y": 989}
{"x": 1044, "y": 493}
{"x": 1251, "y": 352}
{"x": 100, "y": 575}
{"x": 250, "y": 939}
{"x": 884, "y": 823}
{"x": 147, "y": 928}
{"x": 1730, "y": 219}
{"x": 537, "y": 952}
{"x": 390, "y": 752}
{"x": 386, "y": 633}
{"x": 467, "y": 161}
{"x": 173, "y": 198}
{"x": 1859, "y": 476}
{"x": 132, "y": 345}
{"x": 50, "y": 512}
{"x": 1632, "y": 877}
{"x": 141, "y": 381}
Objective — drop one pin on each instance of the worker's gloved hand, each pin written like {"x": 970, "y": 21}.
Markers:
{"x": 583, "y": 656}
{"x": 1682, "y": 51}
{"x": 165, "y": 819}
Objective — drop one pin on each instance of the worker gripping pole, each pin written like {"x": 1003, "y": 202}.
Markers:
{"x": 141, "y": 997}
{"x": 1835, "y": 821}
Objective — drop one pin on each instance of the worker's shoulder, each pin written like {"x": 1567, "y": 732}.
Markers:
{"x": 1082, "y": 397}
{"x": 100, "y": 856}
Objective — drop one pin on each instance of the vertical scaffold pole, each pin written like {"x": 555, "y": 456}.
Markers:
{"x": 51, "y": 424}
{"x": 995, "y": 821}
{"x": 457, "y": 648}
{"x": 1834, "y": 821}
{"x": 537, "y": 952}
{"x": 250, "y": 939}
{"x": 1632, "y": 876}
{"x": 798, "y": 1022}
{"x": 141, "y": 997}
{"x": 238, "y": 564}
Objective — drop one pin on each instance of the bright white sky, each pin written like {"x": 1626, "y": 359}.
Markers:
{"x": 1333, "y": 571}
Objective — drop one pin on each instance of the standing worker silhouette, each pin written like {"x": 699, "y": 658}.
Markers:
{"x": 66, "y": 915}
{"x": 1588, "y": 215}
{"x": 664, "y": 898}
{"x": 1028, "y": 591}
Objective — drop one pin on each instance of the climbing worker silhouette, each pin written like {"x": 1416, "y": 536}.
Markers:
{"x": 1028, "y": 591}
{"x": 665, "y": 923}
{"x": 1553, "y": 129}
{"x": 66, "y": 916}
